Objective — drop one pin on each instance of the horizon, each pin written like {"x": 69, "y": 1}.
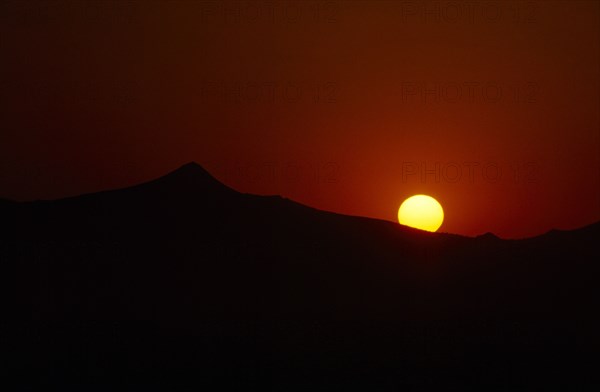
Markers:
{"x": 194, "y": 165}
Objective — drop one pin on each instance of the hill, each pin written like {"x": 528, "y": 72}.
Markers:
{"x": 182, "y": 282}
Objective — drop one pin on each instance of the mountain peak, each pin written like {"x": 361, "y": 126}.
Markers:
{"x": 193, "y": 176}
{"x": 191, "y": 167}
{"x": 488, "y": 236}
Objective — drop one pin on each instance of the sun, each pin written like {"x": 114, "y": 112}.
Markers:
{"x": 421, "y": 212}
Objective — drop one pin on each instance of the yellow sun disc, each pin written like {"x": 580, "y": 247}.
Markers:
{"x": 421, "y": 212}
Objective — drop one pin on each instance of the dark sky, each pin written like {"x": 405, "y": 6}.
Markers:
{"x": 491, "y": 107}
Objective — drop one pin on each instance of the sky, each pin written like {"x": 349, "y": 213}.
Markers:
{"x": 491, "y": 107}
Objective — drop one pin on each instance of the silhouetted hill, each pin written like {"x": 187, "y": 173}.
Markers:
{"x": 488, "y": 237}
{"x": 183, "y": 282}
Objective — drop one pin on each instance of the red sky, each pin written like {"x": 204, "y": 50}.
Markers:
{"x": 493, "y": 108}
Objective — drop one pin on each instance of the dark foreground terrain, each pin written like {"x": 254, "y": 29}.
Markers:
{"x": 184, "y": 284}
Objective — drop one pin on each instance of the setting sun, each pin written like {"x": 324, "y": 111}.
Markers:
{"x": 421, "y": 212}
